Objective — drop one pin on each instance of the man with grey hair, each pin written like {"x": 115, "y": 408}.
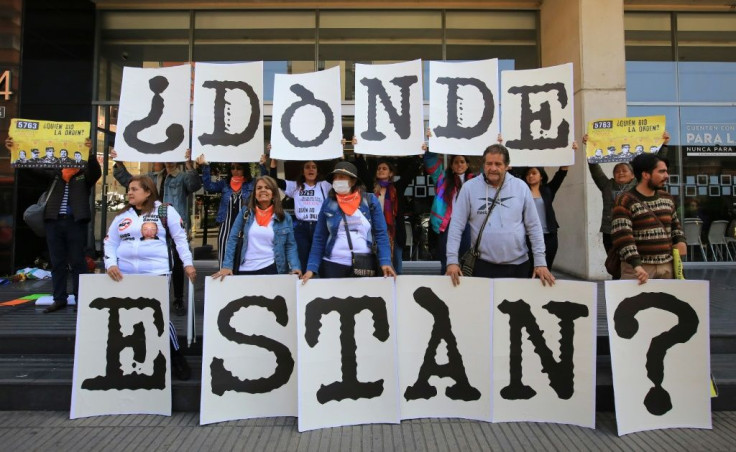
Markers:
{"x": 502, "y": 249}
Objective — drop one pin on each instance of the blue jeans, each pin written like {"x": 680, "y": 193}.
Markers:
{"x": 66, "y": 240}
{"x": 303, "y": 233}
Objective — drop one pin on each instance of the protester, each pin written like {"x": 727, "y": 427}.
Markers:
{"x": 127, "y": 253}
{"x": 349, "y": 207}
{"x": 66, "y": 218}
{"x": 448, "y": 184}
{"x": 174, "y": 187}
{"x": 623, "y": 180}
{"x": 390, "y": 194}
{"x": 269, "y": 247}
{"x": 543, "y": 194}
{"x": 236, "y": 190}
{"x": 309, "y": 192}
{"x": 503, "y": 249}
{"x": 645, "y": 227}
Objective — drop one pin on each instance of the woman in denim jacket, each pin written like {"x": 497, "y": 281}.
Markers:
{"x": 269, "y": 247}
{"x": 349, "y": 203}
{"x": 235, "y": 189}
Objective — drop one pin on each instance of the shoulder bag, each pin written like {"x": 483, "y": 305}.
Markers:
{"x": 467, "y": 261}
{"x": 34, "y": 214}
{"x": 364, "y": 264}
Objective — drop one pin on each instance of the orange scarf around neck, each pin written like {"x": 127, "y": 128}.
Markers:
{"x": 68, "y": 173}
{"x": 263, "y": 217}
{"x": 349, "y": 203}
{"x": 236, "y": 182}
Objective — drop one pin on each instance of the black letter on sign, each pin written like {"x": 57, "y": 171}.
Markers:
{"x": 220, "y": 136}
{"x": 174, "y": 133}
{"x": 116, "y": 343}
{"x": 222, "y": 379}
{"x": 307, "y": 99}
{"x": 455, "y": 369}
{"x": 543, "y": 115}
{"x": 453, "y": 129}
{"x": 657, "y": 400}
{"x": 560, "y": 374}
{"x": 401, "y": 122}
{"x": 348, "y": 308}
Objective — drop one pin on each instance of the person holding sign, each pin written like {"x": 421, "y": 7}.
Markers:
{"x": 390, "y": 195}
{"x": 127, "y": 251}
{"x": 309, "y": 192}
{"x": 448, "y": 184}
{"x": 645, "y": 227}
{"x": 349, "y": 209}
{"x": 173, "y": 187}
{"x": 268, "y": 244}
{"x": 499, "y": 224}
{"x": 66, "y": 218}
{"x": 236, "y": 190}
{"x": 543, "y": 194}
{"x": 623, "y": 180}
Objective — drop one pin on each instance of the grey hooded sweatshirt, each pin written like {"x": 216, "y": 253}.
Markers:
{"x": 504, "y": 237}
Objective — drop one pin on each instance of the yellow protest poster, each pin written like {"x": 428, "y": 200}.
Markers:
{"x": 48, "y": 144}
{"x": 622, "y": 139}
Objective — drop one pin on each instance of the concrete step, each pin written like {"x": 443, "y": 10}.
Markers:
{"x": 44, "y": 382}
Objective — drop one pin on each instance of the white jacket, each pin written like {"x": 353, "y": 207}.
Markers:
{"x": 125, "y": 247}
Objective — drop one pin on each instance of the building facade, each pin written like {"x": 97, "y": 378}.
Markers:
{"x": 630, "y": 58}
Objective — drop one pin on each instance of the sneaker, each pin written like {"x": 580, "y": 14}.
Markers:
{"x": 179, "y": 308}
{"x": 179, "y": 366}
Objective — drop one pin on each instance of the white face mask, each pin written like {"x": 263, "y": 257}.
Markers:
{"x": 341, "y": 187}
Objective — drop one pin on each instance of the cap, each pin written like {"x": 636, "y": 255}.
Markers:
{"x": 346, "y": 168}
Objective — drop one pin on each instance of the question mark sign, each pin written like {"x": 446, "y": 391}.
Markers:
{"x": 657, "y": 400}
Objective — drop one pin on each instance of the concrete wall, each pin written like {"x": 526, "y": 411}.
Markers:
{"x": 589, "y": 34}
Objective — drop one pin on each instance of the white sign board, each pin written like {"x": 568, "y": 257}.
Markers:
{"x": 153, "y": 118}
{"x": 249, "y": 351}
{"x": 463, "y": 106}
{"x": 546, "y": 373}
{"x": 660, "y": 353}
{"x": 444, "y": 347}
{"x": 347, "y": 353}
{"x": 307, "y": 116}
{"x": 538, "y": 117}
{"x": 227, "y": 123}
{"x": 121, "y": 355}
{"x": 388, "y": 108}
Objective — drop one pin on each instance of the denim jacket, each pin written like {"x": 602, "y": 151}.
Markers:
{"x": 330, "y": 219}
{"x": 223, "y": 186}
{"x": 177, "y": 187}
{"x": 284, "y": 244}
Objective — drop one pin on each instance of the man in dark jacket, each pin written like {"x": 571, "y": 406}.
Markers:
{"x": 66, "y": 218}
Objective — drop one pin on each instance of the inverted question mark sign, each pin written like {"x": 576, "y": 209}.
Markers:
{"x": 657, "y": 400}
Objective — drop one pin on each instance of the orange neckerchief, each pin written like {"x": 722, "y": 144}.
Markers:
{"x": 263, "y": 217}
{"x": 236, "y": 182}
{"x": 68, "y": 173}
{"x": 349, "y": 203}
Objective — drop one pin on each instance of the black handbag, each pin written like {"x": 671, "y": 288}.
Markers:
{"x": 467, "y": 260}
{"x": 239, "y": 245}
{"x": 364, "y": 264}
{"x": 34, "y": 214}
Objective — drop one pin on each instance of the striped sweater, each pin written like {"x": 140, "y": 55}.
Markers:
{"x": 637, "y": 233}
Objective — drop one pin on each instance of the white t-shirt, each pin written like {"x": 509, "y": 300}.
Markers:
{"x": 360, "y": 233}
{"x": 259, "y": 253}
{"x": 126, "y": 247}
{"x": 307, "y": 201}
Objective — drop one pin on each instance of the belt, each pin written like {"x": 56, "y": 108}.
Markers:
{"x": 61, "y": 216}
{"x": 306, "y": 221}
